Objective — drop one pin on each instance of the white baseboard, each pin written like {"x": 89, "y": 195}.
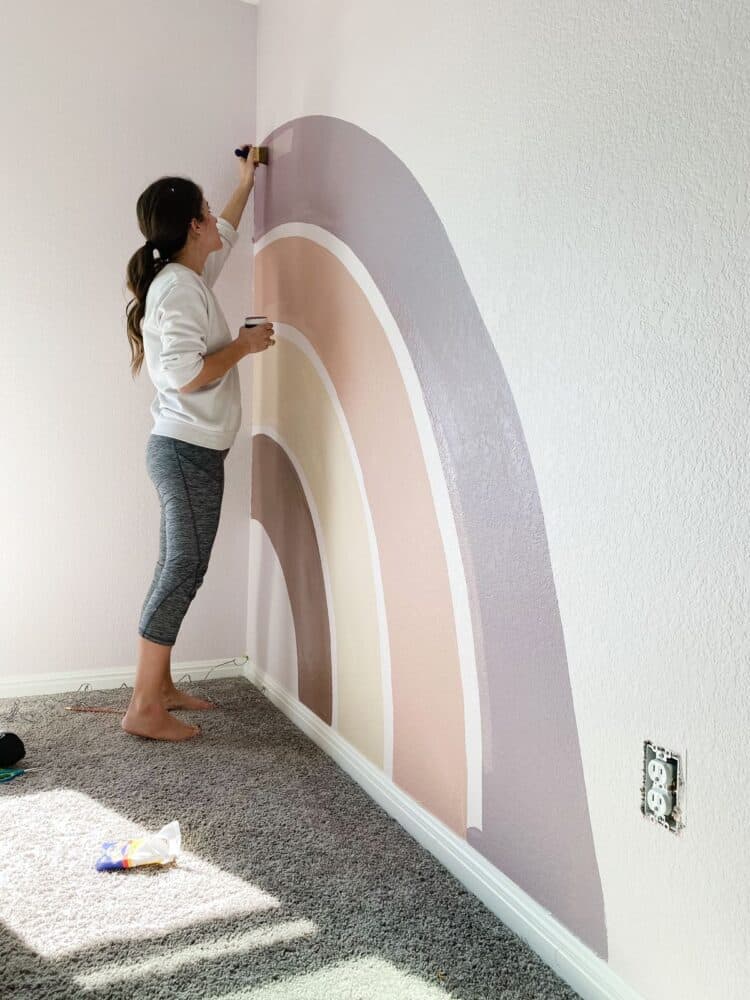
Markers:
{"x": 110, "y": 677}
{"x": 570, "y": 958}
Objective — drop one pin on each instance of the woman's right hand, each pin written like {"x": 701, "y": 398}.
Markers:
{"x": 256, "y": 338}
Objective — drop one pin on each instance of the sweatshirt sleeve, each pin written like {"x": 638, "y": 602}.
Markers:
{"x": 182, "y": 320}
{"x": 216, "y": 260}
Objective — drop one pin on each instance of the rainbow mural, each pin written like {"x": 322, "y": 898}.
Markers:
{"x": 392, "y": 478}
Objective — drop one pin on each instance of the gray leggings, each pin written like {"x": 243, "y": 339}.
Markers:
{"x": 190, "y": 482}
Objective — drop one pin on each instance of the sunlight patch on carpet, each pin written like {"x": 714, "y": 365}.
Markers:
{"x": 173, "y": 959}
{"x": 57, "y": 903}
{"x": 361, "y": 978}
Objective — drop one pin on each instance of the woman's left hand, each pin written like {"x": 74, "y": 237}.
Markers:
{"x": 247, "y": 166}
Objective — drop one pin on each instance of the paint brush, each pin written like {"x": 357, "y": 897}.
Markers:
{"x": 260, "y": 153}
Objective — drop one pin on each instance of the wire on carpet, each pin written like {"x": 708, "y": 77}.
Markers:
{"x": 86, "y": 689}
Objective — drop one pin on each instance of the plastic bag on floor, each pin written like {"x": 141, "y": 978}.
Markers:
{"x": 154, "y": 849}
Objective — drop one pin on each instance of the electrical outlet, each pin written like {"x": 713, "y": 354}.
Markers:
{"x": 663, "y": 788}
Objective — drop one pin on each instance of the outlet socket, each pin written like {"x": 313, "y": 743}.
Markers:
{"x": 663, "y": 788}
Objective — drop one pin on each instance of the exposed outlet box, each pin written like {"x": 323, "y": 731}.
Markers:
{"x": 663, "y": 789}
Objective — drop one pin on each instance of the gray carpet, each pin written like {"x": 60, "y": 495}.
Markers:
{"x": 293, "y": 884}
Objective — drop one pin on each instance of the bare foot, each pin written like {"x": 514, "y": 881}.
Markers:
{"x": 174, "y": 698}
{"x": 156, "y": 723}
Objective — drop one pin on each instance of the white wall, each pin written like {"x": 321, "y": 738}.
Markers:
{"x": 99, "y": 99}
{"x": 590, "y": 165}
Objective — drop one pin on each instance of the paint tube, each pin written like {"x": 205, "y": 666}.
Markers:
{"x": 154, "y": 849}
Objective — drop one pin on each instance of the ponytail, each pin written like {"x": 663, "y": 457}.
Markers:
{"x": 165, "y": 210}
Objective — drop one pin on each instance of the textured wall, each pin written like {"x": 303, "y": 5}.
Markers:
{"x": 100, "y": 99}
{"x": 586, "y": 168}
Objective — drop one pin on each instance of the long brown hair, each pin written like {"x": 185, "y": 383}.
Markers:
{"x": 165, "y": 211}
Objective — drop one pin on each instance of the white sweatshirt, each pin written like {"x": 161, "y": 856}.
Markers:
{"x": 182, "y": 323}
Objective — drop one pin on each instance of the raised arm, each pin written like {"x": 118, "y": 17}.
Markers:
{"x": 234, "y": 208}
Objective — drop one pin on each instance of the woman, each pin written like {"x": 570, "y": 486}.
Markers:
{"x": 175, "y": 322}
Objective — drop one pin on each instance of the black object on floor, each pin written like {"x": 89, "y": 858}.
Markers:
{"x": 11, "y": 749}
